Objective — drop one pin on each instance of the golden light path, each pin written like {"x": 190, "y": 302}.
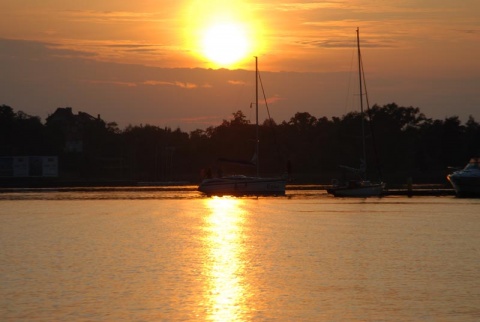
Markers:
{"x": 224, "y": 268}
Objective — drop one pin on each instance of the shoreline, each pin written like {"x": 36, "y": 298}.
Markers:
{"x": 398, "y": 190}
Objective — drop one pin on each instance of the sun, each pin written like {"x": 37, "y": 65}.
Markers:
{"x": 222, "y": 34}
{"x": 225, "y": 43}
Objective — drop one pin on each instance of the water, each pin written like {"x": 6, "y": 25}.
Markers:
{"x": 172, "y": 255}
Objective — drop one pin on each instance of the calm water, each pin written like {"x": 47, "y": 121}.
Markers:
{"x": 169, "y": 255}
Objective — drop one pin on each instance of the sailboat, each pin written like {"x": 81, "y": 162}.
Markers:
{"x": 241, "y": 185}
{"x": 359, "y": 187}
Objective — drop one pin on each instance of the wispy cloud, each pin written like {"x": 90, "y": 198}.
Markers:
{"x": 97, "y": 45}
{"x": 295, "y": 6}
{"x": 179, "y": 84}
{"x": 236, "y": 82}
{"x": 468, "y": 31}
{"x": 111, "y": 82}
{"x": 332, "y": 43}
{"x": 111, "y": 16}
{"x": 185, "y": 85}
{"x": 112, "y": 50}
{"x": 274, "y": 99}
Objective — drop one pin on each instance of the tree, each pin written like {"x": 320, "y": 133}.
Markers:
{"x": 6, "y": 126}
{"x": 239, "y": 119}
{"x": 409, "y": 145}
{"x": 472, "y": 133}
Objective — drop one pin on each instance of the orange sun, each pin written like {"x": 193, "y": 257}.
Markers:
{"x": 225, "y": 43}
{"x": 222, "y": 33}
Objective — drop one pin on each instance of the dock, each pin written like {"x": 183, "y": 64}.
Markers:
{"x": 419, "y": 192}
{"x": 400, "y": 190}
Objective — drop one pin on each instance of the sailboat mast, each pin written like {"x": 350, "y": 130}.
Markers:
{"x": 256, "y": 117}
{"x": 361, "y": 103}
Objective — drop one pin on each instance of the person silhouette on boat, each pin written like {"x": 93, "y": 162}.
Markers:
{"x": 206, "y": 173}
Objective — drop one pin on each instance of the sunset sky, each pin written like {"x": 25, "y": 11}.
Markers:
{"x": 190, "y": 64}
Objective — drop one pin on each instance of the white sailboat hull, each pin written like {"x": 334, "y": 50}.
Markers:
{"x": 243, "y": 186}
{"x": 362, "y": 189}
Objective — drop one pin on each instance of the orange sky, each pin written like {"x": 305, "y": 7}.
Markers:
{"x": 139, "y": 62}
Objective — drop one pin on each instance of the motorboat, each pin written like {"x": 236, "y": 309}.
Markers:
{"x": 466, "y": 182}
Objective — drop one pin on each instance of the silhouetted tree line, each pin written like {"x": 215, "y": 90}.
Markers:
{"x": 401, "y": 143}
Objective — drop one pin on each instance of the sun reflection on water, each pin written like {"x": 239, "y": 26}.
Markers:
{"x": 226, "y": 291}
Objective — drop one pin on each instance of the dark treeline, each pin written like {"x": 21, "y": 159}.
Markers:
{"x": 408, "y": 144}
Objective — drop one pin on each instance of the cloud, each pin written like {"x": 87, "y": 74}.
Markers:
{"x": 105, "y": 50}
{"x": 331, "y": 43}
{"x": 110, "y": 16}
{"x": 274, "y": 99}
{"x": 157, "y": 83}
{"x": 185, "y": 85}
{"x": 36, "y": 50}
{"x": 236, "y": 82}
{"x": 468, "y": 31}
{"x": 308, "y": 6}
{"x": 116, "y": 83}
{"x": 136, "y": 94}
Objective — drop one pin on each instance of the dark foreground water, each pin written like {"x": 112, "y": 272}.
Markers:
{"x": 171, "y": 255}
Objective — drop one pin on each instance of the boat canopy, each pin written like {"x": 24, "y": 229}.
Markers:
{"x": 473, "y": 164}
